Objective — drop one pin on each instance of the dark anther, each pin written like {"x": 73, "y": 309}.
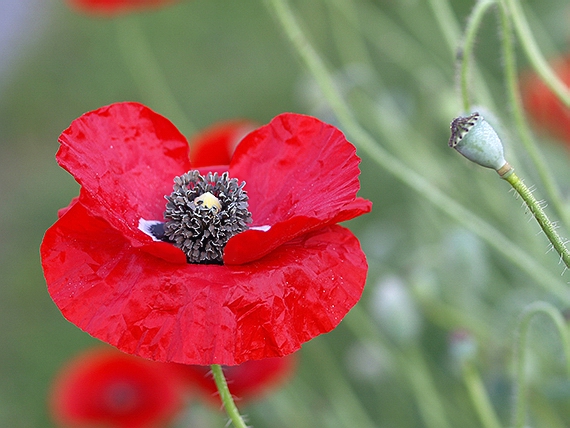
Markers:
{"x": 203, "y": 213}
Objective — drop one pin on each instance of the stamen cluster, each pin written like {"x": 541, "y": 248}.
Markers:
{"x": 199, "y": 228}
{"x": 461, "y": 126}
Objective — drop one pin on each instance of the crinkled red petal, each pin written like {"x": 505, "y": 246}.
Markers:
{"x": 200, "y": 314}
{"x": 216, "y": 144}
{"x": 113, "y": 7}
{"x": 245, "y": 381}
{"x": 300, "y": 174}
{"x": 544, "y": 108}
{"x": 125, "y": 156}
{"x": 106, "y": 387}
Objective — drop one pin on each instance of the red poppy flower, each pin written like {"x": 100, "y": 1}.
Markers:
{"x": 113, "y": 7}
{"x": 293, "y": 274}
{"x": 104, "y": 387}
{"x": 543, "y": 107}
{"x": 246, "y": 381}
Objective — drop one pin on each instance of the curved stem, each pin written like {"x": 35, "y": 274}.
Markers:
{"x": 226, "y": 397}
{"x": 528, "y": 314}
{"x": 551, "y": 188}
{"x": 545, "y": 224}
{"x": 147, "y": 74}
{"x": 400, "y": 171}
{"x": 465, "y": 53}
{"x": 534, "y": 55}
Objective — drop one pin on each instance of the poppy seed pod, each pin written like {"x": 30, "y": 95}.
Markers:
{"x": 474, "y": 138}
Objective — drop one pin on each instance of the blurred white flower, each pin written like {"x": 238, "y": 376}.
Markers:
{"x": 393, "y": 307}
{"x": 368, "y": 361}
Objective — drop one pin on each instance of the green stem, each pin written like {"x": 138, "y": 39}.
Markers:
{"x": 428, "y": 399}
{"x": 512, "y": 89}
{"x": 411, "y": 363}
{"x": 551, "y": 188}
{"x": 350, "y": 44}
{"x": 521, "y": 393}
{"x": 451, "y": 29}
{"x": 348, "y": 409}
{"x": 400, "y": 171}
{"x": 447, "y": 22}
{"x": 449, "y": 317}
{"x": 147, "y": 73}
{"x": 534, "y": 55}
{"x": 226, "y": 397}
{"x": 466, "y": 51}
{"x": 382, "y": 33}
{"x": 479, "y": 397}
{"x": 545, "y": 224}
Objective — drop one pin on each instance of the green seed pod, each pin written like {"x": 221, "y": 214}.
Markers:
{"x": 474, "y": 138}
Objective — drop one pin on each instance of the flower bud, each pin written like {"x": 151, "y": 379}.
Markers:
{"x": 474, "y": 138}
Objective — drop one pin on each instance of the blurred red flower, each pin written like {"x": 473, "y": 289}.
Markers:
{"x": 216, "y": 144}
{"x": 104, "y": 387}
{"x": 113, "y": 7}
{"x": 543, "y": 107}
{"x": 246, "y": 381}
{"x": 294, "y": 274}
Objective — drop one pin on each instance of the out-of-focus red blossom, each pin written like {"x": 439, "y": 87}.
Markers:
{"x": 216, "y": 144}
{"x": 104, "y": 387}
{"x": 292, "y": 276}
{"x": 114, "y": 7}
{"x": 543, "y": 107}
{"x": 246, "y": 381}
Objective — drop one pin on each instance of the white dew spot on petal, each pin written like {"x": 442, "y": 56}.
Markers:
{"x": 264, "y": 228}
{"x": 151, "y": 227}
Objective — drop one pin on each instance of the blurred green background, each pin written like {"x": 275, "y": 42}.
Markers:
{"x": 223, "y": 59}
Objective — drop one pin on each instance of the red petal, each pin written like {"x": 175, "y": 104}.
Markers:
{"x": 200, "y": 314}
{"x": 216, "y": 144}
{"x": 300, "y": 174}
{"x": 545, "y": 109}
{"x": 105, "y": 387}
{"x": 125, "y": 156}
{"x": 245, "y": 381}
{"x": 113, "y": 7}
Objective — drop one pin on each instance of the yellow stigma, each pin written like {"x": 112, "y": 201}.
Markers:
{"x": 209, "y": 201}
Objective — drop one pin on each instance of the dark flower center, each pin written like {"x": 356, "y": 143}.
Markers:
{"x": 203, "y": 213}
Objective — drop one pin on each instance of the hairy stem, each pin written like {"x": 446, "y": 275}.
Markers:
{"x": 473, "y": 25}
{"x": 545, "y": 224}
{"x": 226, "y": 397}
{"x": 512, "y": 84}
{"x": 402, "y": 172}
